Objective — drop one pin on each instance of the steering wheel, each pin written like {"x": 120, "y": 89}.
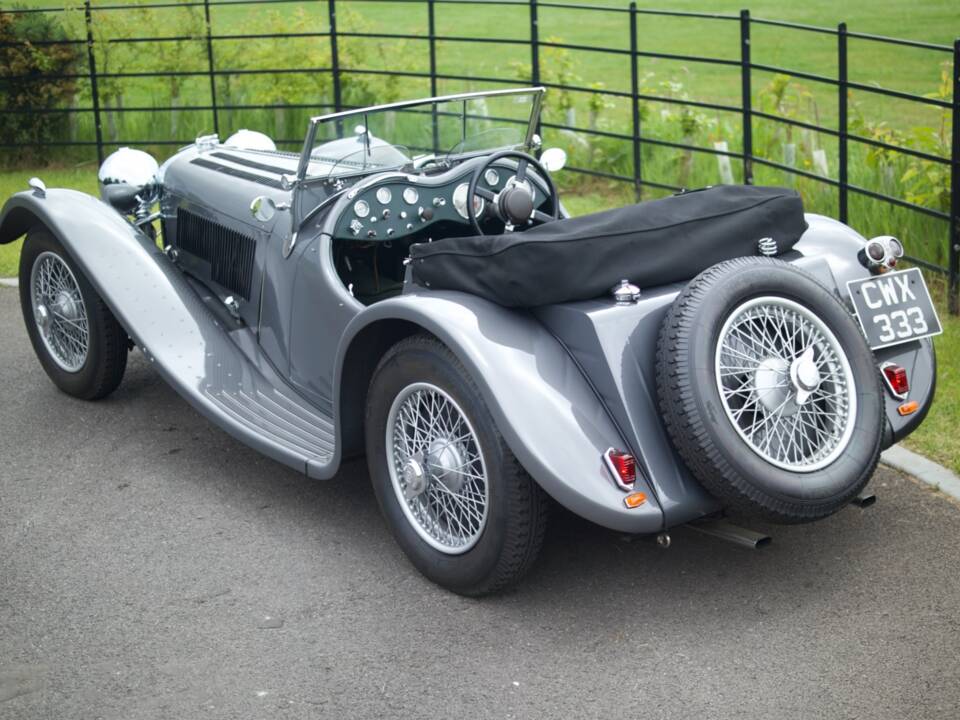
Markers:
{"x": 514, "y": 204}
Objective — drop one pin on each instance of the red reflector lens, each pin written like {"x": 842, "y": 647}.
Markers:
{"x": 897, "y": 378}
{"x": 622, "y": 466}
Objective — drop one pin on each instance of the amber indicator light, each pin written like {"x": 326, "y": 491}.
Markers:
{"x": 635, "y": 499}
{"x": 908, "y": 408}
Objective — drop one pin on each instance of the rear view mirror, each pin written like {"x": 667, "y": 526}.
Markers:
{"x": 553, "y": 159}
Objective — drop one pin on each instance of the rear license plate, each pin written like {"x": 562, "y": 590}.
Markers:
{"x": 894, "y": 308}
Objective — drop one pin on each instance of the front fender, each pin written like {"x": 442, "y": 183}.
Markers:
{"x": 73, "y": 216}
{"x": 544, "y": 408}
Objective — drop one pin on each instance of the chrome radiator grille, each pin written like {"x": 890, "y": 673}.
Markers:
{"x": 229, "y": 252}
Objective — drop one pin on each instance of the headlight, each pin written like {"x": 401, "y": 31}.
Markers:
{"x": 128, "y": 180}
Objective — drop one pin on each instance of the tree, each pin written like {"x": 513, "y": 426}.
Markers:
{"x": 35, "y": 52}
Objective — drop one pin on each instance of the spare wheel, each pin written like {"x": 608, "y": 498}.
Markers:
{"x": 769, "y": 391}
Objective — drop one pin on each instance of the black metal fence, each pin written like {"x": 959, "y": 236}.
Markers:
{"x": 633, "y": 134}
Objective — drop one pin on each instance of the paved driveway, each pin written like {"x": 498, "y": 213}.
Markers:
{"x": 152, "y": 567}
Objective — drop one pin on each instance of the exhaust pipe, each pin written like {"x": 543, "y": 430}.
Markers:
{"x": 864, "y": 500}
{"x": 732, "y": 533}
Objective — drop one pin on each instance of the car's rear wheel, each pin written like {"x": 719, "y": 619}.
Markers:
{"x": 79, "y": 343}
{"x": 769, "y": 391}
{"x": 456, "y": 499}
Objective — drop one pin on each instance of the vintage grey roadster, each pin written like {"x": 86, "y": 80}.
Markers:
{"x": 410, "y": 286}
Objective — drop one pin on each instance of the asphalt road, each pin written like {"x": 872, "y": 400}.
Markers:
{"x": 153, "y": 567}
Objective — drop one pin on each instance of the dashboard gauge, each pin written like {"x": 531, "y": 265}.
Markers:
{"x": 460, "y": 202}
{"x": 492, "y": 177}
{"x": 410, "y": 196}
{"x": 361, "y": 208}
{"x": 384, "y": 195}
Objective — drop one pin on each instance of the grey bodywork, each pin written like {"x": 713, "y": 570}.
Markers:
{"x": 289, "y": 376}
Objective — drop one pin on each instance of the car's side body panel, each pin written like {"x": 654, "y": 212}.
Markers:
{"x": 543, "y": 405}
{"x": 616, "y": 347}
{"x": 210, "y": 191}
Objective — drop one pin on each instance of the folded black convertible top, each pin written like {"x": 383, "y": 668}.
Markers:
{"x": 651, "y": 243}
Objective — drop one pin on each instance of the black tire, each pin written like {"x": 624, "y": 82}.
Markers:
{"x": 106, "y": 358}
{"x": 696, "y": 417}
{"x": 517, "y": 508}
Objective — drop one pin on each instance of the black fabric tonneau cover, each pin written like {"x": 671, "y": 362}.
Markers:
{"x": 651, "y": 243}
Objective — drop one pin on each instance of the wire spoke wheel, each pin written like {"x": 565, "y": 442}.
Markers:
{"x": 437, "y": 469}
{"x": 785, "y": 383}
{"x": 59, "y": 311}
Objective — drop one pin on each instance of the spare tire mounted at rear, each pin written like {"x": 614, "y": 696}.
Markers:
{"x": 769, "y": 391}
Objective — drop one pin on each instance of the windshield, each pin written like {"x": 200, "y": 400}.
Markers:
{"x": 391, "y": 136}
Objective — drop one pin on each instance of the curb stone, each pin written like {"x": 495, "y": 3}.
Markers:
{"x": 909, "y": 462}
{"x": 9, "y": 282}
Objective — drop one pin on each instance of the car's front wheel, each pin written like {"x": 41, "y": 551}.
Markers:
{"x": 78, "y": 341}
{"x": 456, "y": 499}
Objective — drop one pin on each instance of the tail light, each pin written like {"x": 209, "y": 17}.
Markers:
{"x": 622, "y": 467}
{"x": 881, "y": 253}
{"x": 896, "y": 379}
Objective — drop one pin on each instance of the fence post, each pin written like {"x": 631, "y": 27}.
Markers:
{"x": 746, "y": 91}
{"x": 842, "y": 117}
{"x": 334, "y": 54}
{"x": 535, "y": 55}
{"x": 432, "y": 39}
{"x": 210, "y": 68}
{"x": 953, "y": 302}
{"x": 635, "y": 101}
{"x": 94, "y": 92}
{"x": 534, "y": 44}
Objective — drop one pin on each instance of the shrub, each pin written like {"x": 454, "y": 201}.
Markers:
{"x": 26, "y": 84}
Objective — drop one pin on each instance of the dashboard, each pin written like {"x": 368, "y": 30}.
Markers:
{"x": 396, "y": 204}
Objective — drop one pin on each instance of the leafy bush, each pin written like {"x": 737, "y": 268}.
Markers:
{"x": 27, "y": 59}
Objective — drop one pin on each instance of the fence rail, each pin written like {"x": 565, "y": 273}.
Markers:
{"x": 740, "y": 60}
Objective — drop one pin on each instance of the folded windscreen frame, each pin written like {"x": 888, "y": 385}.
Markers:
{"x": 651, "y": 243}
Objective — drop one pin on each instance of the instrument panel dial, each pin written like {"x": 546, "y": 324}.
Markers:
{"x": 492, "y": 177}
{"x": 460, "y": 202}
{"x": 410, "y": 195}
{"x": 361, "y": 208}
{"x": 384, "y": 196}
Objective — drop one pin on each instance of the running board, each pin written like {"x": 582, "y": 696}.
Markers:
{"x": 220, "y": 381}
{"x": 190, "y": 347}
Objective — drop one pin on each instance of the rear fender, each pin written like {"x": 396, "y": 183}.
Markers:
{"x": 546, "y": 411}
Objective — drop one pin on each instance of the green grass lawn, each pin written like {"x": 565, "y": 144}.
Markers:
{"x": 938, "y": 437}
